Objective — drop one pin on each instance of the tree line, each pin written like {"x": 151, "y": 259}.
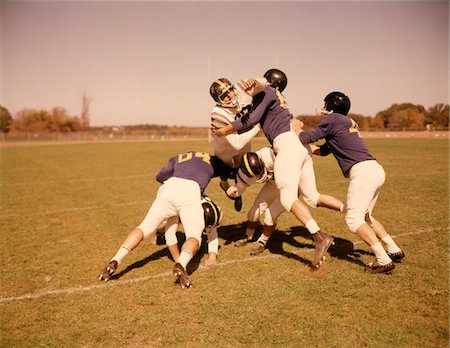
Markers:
{"x": 404, "y": 116}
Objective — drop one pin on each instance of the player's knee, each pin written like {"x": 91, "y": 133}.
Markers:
{"x": 287, "y": 199}
{"x": 311, "y": 201}
{"x": 354, "y": 222}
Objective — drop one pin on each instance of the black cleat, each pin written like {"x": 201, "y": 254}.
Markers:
{"x": 375, "y": 268}
{"x": 108, "y": 271}
{"x": 181, "y": 274}
{"x": 397, "y": 257}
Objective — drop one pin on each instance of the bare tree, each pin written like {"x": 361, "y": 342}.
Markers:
{"x": 85, "y": 103}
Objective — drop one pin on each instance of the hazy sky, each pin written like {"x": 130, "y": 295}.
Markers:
{"x": 149, "y": 62}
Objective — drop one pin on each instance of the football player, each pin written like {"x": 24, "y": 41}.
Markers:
{"x": 184, "y": 180}
{"x": 271, "y": 111}
{"x": 233, "y": 101}
{"x": 366, "y": 176}
{"x": 259, "y": 167}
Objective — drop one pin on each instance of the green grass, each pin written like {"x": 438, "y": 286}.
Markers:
{"x": 66, "y": 208}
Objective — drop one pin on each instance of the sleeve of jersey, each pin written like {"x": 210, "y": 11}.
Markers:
{"x": 166, "y": 172}
{"x": 254, "y": 116}
{"x": 213, "y": 240}
{"x": 238, "y": 141}
{"x": 307, "y": 137}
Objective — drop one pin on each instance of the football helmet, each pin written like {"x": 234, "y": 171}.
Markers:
{"x": 337, "y": 102}
{"x": 219, "y": 89}
{"x": 252, "y": 165}
{"x": 212, "y": 213}
{"x": 276, "y": 78}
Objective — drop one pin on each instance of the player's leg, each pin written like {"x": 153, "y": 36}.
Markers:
{"x": 191, "y": 216}
{"x": 364, "y": 182}
{"x": 308, "y": 189}
{"x": 291, "y": 155}
{"x": 171, "y": 237}
{"x": 265, "y": 196}
{"x": 159, "y": 211}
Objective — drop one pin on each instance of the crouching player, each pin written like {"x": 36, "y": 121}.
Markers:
{"x": 184, "y": 180}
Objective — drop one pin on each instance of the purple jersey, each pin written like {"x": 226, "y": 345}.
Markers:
{"x": 342, "y": 138}
{"x": 196, "y": 166}
{"x": 271, "y": 111}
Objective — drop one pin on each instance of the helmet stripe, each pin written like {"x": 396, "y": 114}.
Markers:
{"x": 220, "y": 83}
{"x": 247, "y": 166}
{"x": 216, "y": 215}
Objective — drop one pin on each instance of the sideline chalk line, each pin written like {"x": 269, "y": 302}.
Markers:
{"x": 81, "y": 289}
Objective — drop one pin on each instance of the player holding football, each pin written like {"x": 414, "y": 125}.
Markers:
{"x": 233, "y": 101}
{"x": 366, "y": 175}
{"x": 258, "y": 167}
{"x": 271, "y": 111}
{"x": 184, "y": 180}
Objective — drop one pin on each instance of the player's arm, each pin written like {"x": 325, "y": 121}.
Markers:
{"x": 166, "y": 172}
{"x": 242, "y": 183}
{"x": 238, "y": 141}
{"x": 257, "y": 113}
{"x": 213, "y": 246}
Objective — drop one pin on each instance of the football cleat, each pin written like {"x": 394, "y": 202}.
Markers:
{"x": 257, "y": 249}
{"x": 397, "y": 257}
{"x": 108, "y": 271}
{"x": 183, "y": 277}
{"x": 375, "y": 267}
{"x": 322, "y": 242}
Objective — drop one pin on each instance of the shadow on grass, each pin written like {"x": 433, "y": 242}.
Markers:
{"x": 342, "y": 249}
{"x": 160, "y": 240}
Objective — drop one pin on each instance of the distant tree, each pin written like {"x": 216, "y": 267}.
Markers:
{"x": 57, "y": 120}
{"x": 85, "y": 116}
{"x": 401, "y": 116}
{"x": 6, "y": 120}
{"x": 437, "y": 116}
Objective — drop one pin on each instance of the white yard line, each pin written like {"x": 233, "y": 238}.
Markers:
{"x": 80, "y": 289}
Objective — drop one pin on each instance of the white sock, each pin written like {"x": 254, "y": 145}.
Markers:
{"x": 342, "y": 208}
{"x": 121, "y": 253}
{"x": 312, "y": 226}
{"x": 185, "y": 257}
{"x": 380, "y": 254}
{"x": 391, "y": 246}
{"x": 263, "y": 239}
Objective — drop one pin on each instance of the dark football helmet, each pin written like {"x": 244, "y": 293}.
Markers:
{"x": 219, "y": 90}
{"x": 276, "y": 78}
{"x": 252, "y": 165}
{"x": 212, "y": 213}
{"x": 337, "y": 102}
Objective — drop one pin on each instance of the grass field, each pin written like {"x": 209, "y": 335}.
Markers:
{"x": 66, "y": 208}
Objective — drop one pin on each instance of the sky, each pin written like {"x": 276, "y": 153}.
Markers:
{"x": 152, "y": 62}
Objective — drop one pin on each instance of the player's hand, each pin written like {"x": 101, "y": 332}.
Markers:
{"x": 232, "y": 191}
{"x": 297, "y": 125}
{"x": 220, "y": 132}
{"x": 249, "y": 84}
